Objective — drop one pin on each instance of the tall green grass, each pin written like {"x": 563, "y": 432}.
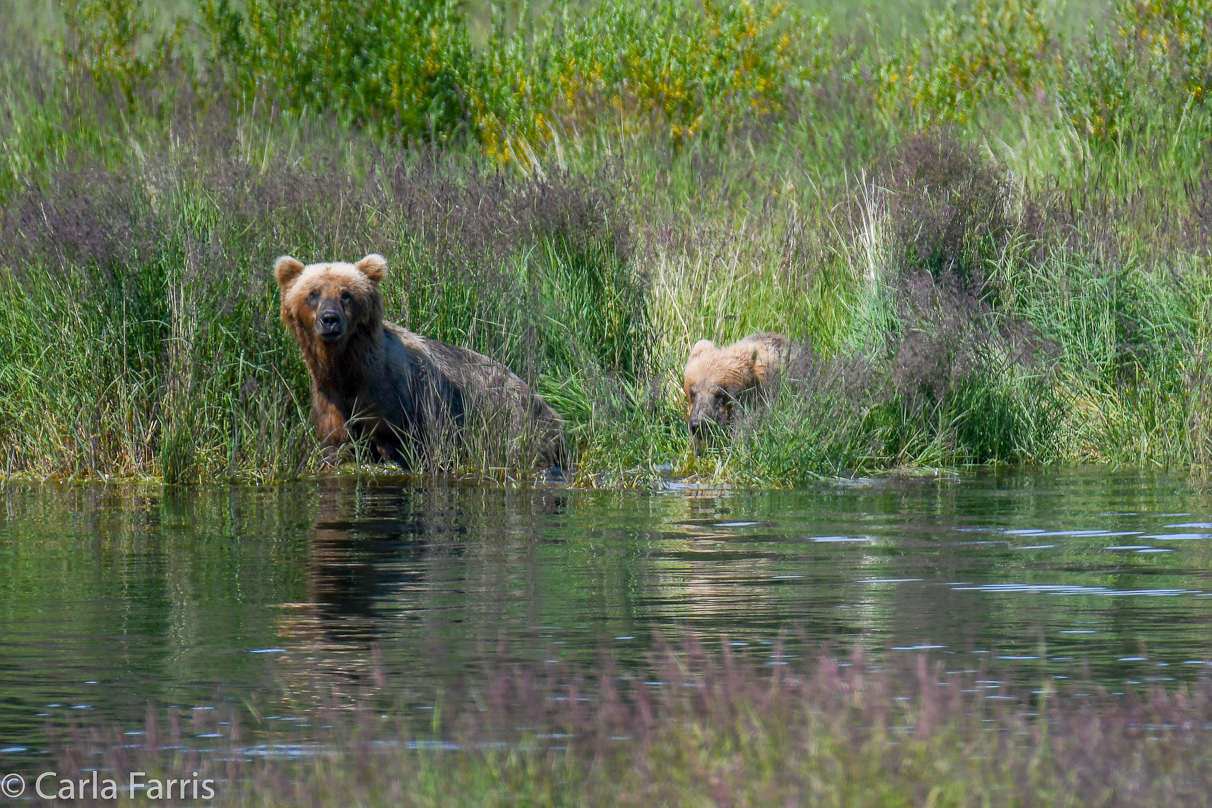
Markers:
{"x": 989, "y": 231}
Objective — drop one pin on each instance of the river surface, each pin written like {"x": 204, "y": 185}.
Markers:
{"x": 116, "y": 597}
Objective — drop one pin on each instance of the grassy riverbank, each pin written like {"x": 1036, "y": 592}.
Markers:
{"x": 694, "y": 728}
{"x": 991, "y": 229}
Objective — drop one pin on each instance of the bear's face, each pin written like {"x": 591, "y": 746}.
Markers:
{"x": 329, "y": 302}
{"x": 714, "y": 381}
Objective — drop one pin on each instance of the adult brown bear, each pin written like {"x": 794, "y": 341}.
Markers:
{"x": 407, "y": 394}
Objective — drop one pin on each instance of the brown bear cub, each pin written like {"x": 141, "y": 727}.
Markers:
{"x": 403, "y": 392}
{"x": 716, "y": 379}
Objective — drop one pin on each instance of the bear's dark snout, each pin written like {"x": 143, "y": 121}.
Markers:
{"x": 330, "y": 322}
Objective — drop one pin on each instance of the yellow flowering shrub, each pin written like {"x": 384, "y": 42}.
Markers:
{"x": 677, "y": 70}
{"x": 669, "y": 67}
{"x": 1155, "y": 50}
{"x": 998, "y": 48}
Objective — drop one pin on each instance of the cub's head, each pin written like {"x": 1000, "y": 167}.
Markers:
{"x": 714, "y": 380}
{"x": 328, "y": 303}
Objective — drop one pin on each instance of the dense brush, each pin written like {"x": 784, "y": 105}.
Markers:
{"x": 995, "y": 254}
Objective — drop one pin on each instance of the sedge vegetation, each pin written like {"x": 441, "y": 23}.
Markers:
{"x": 990, "y": 230}
{"x": 693, "y": 727}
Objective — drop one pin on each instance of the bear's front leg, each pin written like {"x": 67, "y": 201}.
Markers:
{"x": 329, "y": 422}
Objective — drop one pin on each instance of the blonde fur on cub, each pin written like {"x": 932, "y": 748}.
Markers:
{"x": 717, "y": 378}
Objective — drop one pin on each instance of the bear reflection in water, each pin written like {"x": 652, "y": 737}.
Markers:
{"x": 384, "y": 565}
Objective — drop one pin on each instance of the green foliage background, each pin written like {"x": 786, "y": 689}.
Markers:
{"x": 989, "y": 227}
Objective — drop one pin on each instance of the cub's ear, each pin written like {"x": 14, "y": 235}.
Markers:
{"x": 373, "y": 266}
{"x": 286, "y": 270}
{"x": 701, "y": 347}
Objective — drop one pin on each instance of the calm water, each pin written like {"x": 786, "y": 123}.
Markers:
{"x": 112, "y": 598}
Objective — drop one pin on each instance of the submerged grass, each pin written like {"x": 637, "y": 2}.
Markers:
{"x": 990, "y": 234}
{"x": 690, "y": 727}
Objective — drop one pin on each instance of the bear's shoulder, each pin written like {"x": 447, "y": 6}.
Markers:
{"x": 462, "y": 367}
{"x": 405, "y": 338}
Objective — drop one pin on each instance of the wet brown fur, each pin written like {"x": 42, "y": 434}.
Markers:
{"x": 717, "y": 379}
{"x": 383, "y": 382}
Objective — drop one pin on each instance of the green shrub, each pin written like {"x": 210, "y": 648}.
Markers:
{"x": 115, "y": 43}
{"x": 1154, "y": 51}
{"x": 1000, "y": 49}
{"x": 397, "y": 64}
{"x": 669, "y": 67}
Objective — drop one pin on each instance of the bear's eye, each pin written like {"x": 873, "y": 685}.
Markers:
{"x": 346, "y": 296}
{"x": 313, "y": 297}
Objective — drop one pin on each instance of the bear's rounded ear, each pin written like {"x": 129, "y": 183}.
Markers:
{"x": 700, "y": 347}
{"x": 373, "y": 266}
{"x": 286, "y": 269}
